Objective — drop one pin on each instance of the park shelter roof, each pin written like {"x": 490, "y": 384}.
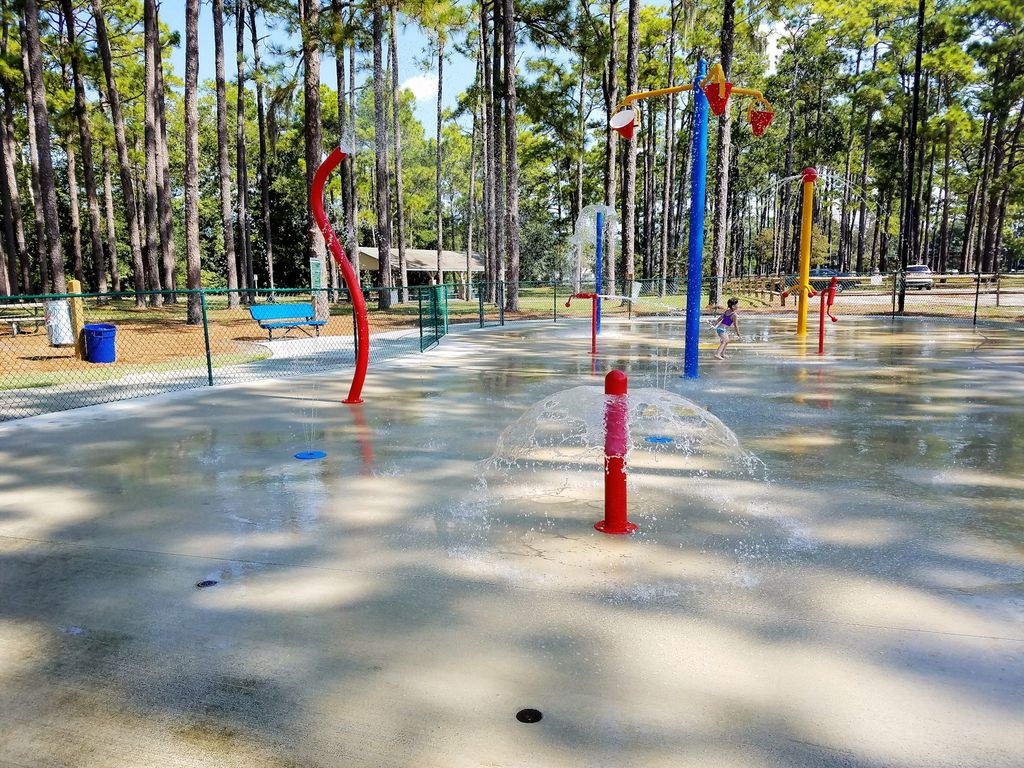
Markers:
{"x": 422, "y": 260}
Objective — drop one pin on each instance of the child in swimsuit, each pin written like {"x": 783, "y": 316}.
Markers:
{"x": 729, "y": 319}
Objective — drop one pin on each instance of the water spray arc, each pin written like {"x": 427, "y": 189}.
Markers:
{"x": 362, "y": 330}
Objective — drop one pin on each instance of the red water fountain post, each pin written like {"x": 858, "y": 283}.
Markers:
{"x": 362, "y": 329}
{"x": 828, "y": 297}
{"x": 616, "y": 443}
{"x": 821, "y": 324}
{"x": 593, "y": 316}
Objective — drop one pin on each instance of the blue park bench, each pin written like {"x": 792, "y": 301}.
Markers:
{"x": 271, "y": 316}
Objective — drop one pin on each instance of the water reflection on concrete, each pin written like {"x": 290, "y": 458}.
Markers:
{"x": 844, "y": 589}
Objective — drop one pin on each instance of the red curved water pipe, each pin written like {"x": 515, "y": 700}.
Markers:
{"x": 316, "y": 201}
{"x": 828, "y": 297}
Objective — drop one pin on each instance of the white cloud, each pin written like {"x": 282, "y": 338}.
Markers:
{"x": 423, "y": 87}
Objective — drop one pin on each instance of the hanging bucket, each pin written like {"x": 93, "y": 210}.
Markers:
{"x": 760, "y": 120}
{"x": 716, "y": 101}
{"x": 624, "y": 122}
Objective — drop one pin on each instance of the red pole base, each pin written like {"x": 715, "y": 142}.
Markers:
{"x": 602, "y": 526}
{"x": 356, "y": 401}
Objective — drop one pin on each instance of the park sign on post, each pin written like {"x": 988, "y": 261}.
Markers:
{"x": 316, "y": 285}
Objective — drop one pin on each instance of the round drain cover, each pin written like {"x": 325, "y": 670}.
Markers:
{"x": 529, "y": 715}
{"x": 206, "y": 583}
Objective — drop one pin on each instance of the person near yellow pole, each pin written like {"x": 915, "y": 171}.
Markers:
{"x": 809, "y": 177}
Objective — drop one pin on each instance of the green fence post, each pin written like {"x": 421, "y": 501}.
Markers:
{"x": 206, "y": 338}
{"x": 419, "y": 299}
{"x": 977, "y": 293}
{"x": 554, "y": 302}
{"x": 894, "y": 279}
{"x": 441, "y": 290}
{"x": 480, "y": 297}
{"x": 501, "y": 303}
{"x": 444, "y": 317}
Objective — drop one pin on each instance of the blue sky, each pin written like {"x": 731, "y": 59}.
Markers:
{"x": 413, "y": 48}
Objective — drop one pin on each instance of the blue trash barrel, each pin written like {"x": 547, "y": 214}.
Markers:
{"x": 99, "y": 342}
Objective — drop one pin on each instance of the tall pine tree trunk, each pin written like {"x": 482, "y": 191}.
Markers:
{"x": 722, "y": 163}
{"x": 865, "y": 162}
{"x": 111, "y": 229}
{"x": 439, "y": 227}
{"x": 471, "y": 203}
{"x": 976, "y": 251}
{"x": 610, "y": 91}
{"x": 168, "y": 257}
{"x": 47, "y": 188}
{"x": 396, "y": 137}
{"x": 490, "y": 225}
{"x": 124, "y": 163}
{"x": 629, "y": 174}
{"x": 1003, "y": 196}
{"x": 193, "y": 265}
{"x": 152, "y": 219}
{"x": 223, "y": 161}
{"x": 352, "y": 212}
{"x": 908, "y": 222}
{"x": 990, "y": 211}
{"x": 845, "y": 218}
{"x": 944, "y": 223}
{"x": 581, "y": 140}
{"x": 648, "y": 197}
{"x": 312, "y": 137}
{"x": 511, "y": 159}
{"x": 85, "y": 142}
{"x": 670, "y": 130}
{"x": 14, "y": 233}
{"x": 783, "y": 216}
{"x": 14, "y": 219}
{"x": 380, "y": 138}
{"x": 498, "y": 147}
{"x": 74, "y": 213}
{"x": 246, "y": 273}
{"x": 261, "y": 119}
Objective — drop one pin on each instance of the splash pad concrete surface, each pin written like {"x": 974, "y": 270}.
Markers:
{"x": 844, "y": 588}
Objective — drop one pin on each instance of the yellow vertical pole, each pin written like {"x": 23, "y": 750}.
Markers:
{"x": 809, "y": 177}
{"x": 77, "y": 318}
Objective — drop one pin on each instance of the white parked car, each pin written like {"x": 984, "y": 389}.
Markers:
{"x": 919, "y": 276}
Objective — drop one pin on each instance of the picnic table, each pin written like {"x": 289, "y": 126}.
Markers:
{"x": 25, "y": 313}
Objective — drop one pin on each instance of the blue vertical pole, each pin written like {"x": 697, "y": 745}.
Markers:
{"x": 598, "y": 277}
{"x": 698, "y": 194}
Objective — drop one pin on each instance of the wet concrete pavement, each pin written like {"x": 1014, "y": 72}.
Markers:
{"x": 845, "y": 588}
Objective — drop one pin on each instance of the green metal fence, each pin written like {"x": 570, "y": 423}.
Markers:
{"x": 433, "y": 302}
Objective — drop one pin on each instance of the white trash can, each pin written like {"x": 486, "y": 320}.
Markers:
{"x": 59, "y": 331}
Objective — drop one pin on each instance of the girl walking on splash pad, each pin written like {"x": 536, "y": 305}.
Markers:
{"x": 729, "y": 319}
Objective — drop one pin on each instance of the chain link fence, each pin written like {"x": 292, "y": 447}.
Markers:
{"x": 47, "y": 364}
